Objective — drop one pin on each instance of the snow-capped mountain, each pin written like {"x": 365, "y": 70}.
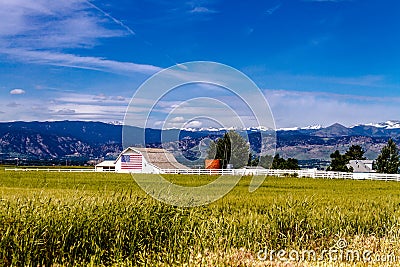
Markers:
{"x": 116, "y": 123}
{"x": 224, "y": 129}
{"x": 59, "y": 139}
{"x": 311, "y": 127}
{"x": 392, "y": 124}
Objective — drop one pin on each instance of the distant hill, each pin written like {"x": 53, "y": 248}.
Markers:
{"x": 86, "y": 140}
{"x": 94, "y": 140}
{"x": 335, "y": 130}
{"x": 44, "y": 140}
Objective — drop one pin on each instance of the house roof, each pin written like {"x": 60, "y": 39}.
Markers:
{"x": 158, "y": 157}
{"x": 106, "y": 163}
{"x": 361, "y": 166}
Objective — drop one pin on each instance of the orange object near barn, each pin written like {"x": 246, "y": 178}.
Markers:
{"x": 213, "y": 164}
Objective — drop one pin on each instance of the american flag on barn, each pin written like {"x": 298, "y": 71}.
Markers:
{"x": 144, "y": 160}
{"x": 131, "y": 162}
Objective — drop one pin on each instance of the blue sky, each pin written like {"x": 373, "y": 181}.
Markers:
{"x": 317, "y": 61}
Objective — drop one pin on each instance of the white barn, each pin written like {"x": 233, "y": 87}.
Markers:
{"x": 142, "y": 160}
{"x": 105, "y": 166}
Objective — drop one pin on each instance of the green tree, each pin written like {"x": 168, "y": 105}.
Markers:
{"x": 231, "y": 148}
{"x": 266, "y": 161}
{"x": 355, "y": 152}
{"x": 254, "y": 160}
{"x": 388, "y": 160}
{"x": 292, "y": 164}
{"x": 282, "y": 164}
{"x": 278, "y": 162}
{"x": 339, "y": 163}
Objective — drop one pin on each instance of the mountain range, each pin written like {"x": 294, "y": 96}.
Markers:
{"x": 60, "y": 140}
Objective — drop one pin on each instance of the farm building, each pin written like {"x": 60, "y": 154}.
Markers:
{"x": 142, "y": 160}
{"x": 361, "y": 168}
{"x": 105, "y": 166}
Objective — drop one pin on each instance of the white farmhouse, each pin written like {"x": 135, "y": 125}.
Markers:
{"x": 142, "y": 160}
{"x": 105, "y": 166}
{"x": 361, "y": 168}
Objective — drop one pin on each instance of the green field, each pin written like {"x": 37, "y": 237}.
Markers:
{"x": 103, "y": 219}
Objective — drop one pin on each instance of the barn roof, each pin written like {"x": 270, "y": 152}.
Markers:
{"x": 106, "y": 163}
{"x": 158, "y": 157}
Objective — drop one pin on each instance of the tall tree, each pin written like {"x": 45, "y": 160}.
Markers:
{"x": 339, "y": 163}
{"x": 240, "y": 148}
{"x": 388, "y": 160}
{"x": 355, "y": 152}
{"x": 231, "y": 148}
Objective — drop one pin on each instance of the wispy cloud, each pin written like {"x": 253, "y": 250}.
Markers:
{"x": 364, "y": 80}
{"x": 296, "y": 108}
{"x": 316, "y": 82}
{"x": 290, "y": 108}
{"x": 65, "y": 111}
{"x": 202, "y": 10}
{"x": 88, "y": 99}
{"x": 117, "y": 21}
{"x": 40, "y": 31}
{"x": 273, "y": 9}
{"x": 45, "y": 24}
{"x": 76, "y": 106}
{"x": 326, "y": 0}
{"x": 74, "y": 61}
{"x": 13, "y": 105}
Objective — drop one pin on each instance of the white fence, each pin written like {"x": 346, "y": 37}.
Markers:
{"x": 48, "y": 170}
{"x": 311, "y": 173}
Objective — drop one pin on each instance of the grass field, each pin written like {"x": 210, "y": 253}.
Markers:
{"x": 104, "y": 219}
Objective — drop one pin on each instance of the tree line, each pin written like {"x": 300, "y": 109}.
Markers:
{"x": 388, "y": 161}
{"x": 233, "y": 149}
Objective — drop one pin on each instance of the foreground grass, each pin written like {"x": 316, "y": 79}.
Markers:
{"x": 105, "y": 219}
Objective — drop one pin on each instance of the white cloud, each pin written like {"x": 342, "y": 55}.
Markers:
{"x": 65, "y": 106}
{"x": 65, "y": 111}
{"x": 100, "y": 97}
{"x": 70, "y": 60}
{"x": 17, "y": 91}
{"x": 47, "y": 23}
{"x": 103, "y": 97}
{"x": 178, "y": 119}
{"x": 290, "y": 108}
{"x": 201, "y": 9}
{"x": 38, "y": 32}
{"x": 295, "y": 108}
{"x": 194, "y": 124}
{"x": 158, "y": 123}
{"x": 119, "y": 98}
